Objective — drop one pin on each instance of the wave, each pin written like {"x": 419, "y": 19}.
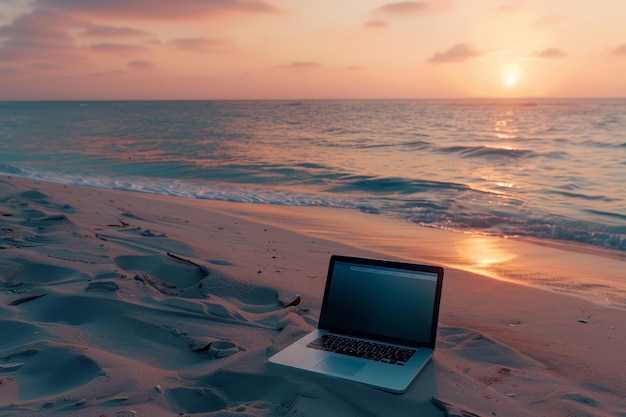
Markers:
{"x": 391, "y": 185}
{"x": 418, "y": 144}
{"x": 617, "y": 216}
{"x": 583, "y": 196}
{"x": 603, "y": 144}
{"x": 12, "y": 170}
{"x": 442, "y": 205}
{"x": 487, "y": 152}
{"x": 497, "y": 152}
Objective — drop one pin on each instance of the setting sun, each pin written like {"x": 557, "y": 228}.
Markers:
{"x": 511, "y": 79}
{"x": 511, "y": 75}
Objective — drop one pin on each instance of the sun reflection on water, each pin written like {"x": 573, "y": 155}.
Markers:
{"x": 482, "y": 252}
{"x": 504, "y": 127}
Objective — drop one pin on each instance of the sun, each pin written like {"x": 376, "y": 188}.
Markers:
{"x": 511, "y": 75}
{"x": 511, "y": 79}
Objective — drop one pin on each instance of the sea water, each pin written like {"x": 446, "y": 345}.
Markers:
{"x": 550, "y": 169}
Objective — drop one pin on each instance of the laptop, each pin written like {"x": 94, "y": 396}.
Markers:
{"x": 377, "y": 325}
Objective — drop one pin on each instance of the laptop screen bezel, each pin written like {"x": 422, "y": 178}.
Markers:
{"x": 326, "y": 322}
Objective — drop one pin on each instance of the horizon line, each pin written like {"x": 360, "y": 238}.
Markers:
{"x": 71, "y": 100}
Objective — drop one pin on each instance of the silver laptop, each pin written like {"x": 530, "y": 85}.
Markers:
{"x": 377, "y": 326}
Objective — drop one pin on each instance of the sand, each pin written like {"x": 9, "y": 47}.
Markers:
{"x": 117, "y": 303}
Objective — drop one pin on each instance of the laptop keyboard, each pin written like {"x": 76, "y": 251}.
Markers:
{"x": 363, "y": 349}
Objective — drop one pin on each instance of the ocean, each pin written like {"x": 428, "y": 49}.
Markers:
{"x": 549, "y": 169}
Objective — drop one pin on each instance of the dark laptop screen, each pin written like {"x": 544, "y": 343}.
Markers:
{"x": 391, "y": 301}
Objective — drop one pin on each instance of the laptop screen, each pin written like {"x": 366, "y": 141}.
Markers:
{"x": 383, "y": 300}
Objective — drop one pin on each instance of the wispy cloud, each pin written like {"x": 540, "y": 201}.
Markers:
{"x": 58, "y": 30}
{"x": 203, "y": 44}
{"x": 40, "y": 27}
{"x": 376, "y": 24}
{"x": 160, "y": 9}
{"x": 118, "y": 48}
{"x": 457, "y": 53}
{"x": 42, "y": 34}
{"x": 44, "y": 66}
{"x": 620, "y": 50}
{"x": 550, "y": 53}
{"x": 511, "y": 6}
{"x": 302, "y": 65}
{"x": 104, "y": 31}
{"x": 410, "y": 8}
{"x": 141, "y": 64}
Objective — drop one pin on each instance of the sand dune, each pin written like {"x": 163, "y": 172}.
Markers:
{"x": 124, "y": 304}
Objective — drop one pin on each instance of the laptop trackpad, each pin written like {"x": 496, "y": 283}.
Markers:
{"x": 341, "y": 366}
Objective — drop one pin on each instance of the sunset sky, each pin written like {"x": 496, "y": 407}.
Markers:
{"x": 291, "y": 49}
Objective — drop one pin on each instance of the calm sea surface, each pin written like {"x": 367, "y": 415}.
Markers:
{"x": 552, "y": 169}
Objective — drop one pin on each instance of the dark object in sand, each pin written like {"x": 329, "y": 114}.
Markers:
{"x": 295, "y": 302}
{"x": 121, "y": 225}
{"x": 452, "y": 410}
{"x": 181, "y": 259}
{"x": 27, "y": 298}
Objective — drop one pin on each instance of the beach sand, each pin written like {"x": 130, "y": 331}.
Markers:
{"x": 114, "y": 303}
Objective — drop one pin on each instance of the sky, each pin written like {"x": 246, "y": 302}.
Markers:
{"x": 317, "y": 49}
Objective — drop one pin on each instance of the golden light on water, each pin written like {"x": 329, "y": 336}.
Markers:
{"x": 483, "y": 252}
{"x": 505, "y": 130}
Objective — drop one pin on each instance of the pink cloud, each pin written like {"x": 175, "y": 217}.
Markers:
{"x": 160, "y": 9}
{"x": 117, "y": 48}
{"x": 203, "y": 44}
{"x": 550, "y": 53}
{"x": 103, "y": 31}
{"x": 141, "y": 64}
{"x": 376, "y": 24}
{"x": 457, "y": 53}
{"x": 620, "y": 50}
{"x": 41, "y": 26}
{"x": 51, "y": 31}
{"x": 44, "y": 66}
{"x": 302, "y": 65}
{"x": 42, "y": 34}
{"x": 511, "y": 6}
{"x": 405, "y": 8}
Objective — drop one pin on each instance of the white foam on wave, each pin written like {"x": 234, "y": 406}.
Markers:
{"x": 188, "y": 189}
{"x": 419, "y": 213}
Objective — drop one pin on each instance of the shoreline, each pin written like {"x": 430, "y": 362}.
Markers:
{"x": 125, "y": 328}
{"x": 587, "y": 272}
{"x": 597, "y": 271}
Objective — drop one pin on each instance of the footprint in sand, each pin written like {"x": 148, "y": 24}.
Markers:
{"x": 145, "y": 241}
{"x": 37, "y": 379}
{"x": 214, "y": 348}
{"x": 175, "y": 276}
{"x": 21, "y": 333}
{"x": 237, "y": 392}
{"x": 21, "y": 271}
{"x": 474, "y": 346}
{"x": 167, "y": 275}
